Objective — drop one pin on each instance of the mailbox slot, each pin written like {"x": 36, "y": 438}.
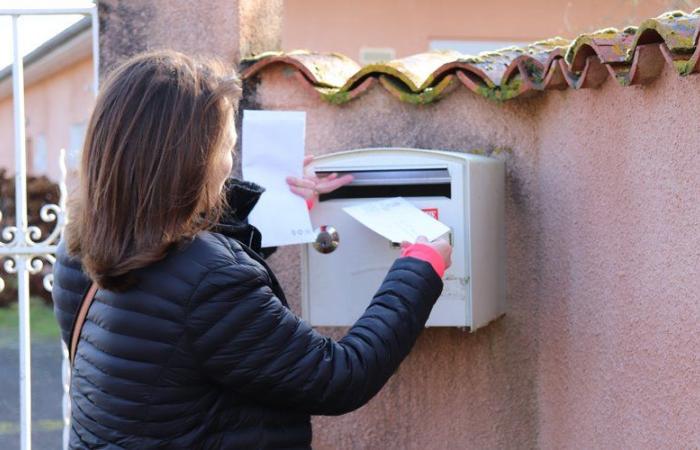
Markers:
{"x": 381, "y": 183}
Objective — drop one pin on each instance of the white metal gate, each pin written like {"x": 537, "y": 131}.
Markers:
{"x": 23, "y": 245}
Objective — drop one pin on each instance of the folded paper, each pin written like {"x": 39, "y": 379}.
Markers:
{"x": 273, "y": 149}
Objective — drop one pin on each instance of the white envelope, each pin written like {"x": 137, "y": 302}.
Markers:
{"x": 273, "y": 148}
{"x": 397, "y": 220}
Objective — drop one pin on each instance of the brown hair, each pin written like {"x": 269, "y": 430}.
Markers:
{"x": 154, "y": 137}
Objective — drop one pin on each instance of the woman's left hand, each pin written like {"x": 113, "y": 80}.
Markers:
{"x": 311, "y": 186}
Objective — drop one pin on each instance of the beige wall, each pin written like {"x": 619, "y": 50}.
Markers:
{"x": 52, "y": 106}
{"x": 409, "y": 26}
{"x": 598, "y": 348}
{"x": 6, "y": 135}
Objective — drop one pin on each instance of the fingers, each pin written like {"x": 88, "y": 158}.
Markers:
{"x": 319, "y": 185}
{"x": 405, "y": 244}
{"x": 345, "y": 179}
{"x": 422, "y": 240}
{"x": 308, "y": 159}
{"x": 329, "y": 184}
{"x": 325, "y": 178}
{"x": 445, "y": 249}
{"x": 303, "y": 192}
{"x": 302, "y": 187}
{"x": 301, "y": 182}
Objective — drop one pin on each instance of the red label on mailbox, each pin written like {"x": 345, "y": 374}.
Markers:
{"x": 432, "y": 212}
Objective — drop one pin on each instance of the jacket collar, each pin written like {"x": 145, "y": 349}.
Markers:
{"x": 241, "y": 196}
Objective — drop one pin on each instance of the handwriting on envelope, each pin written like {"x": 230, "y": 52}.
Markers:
{"x": 397, "y": 220}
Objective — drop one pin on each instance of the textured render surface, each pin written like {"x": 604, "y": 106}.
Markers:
{"x": 226, "y": 29}
{"x": 456, "y": 390}
{"x": 598, "y": 348}
{"x": 619, "y": 329}
{"x": 260, "y": 25}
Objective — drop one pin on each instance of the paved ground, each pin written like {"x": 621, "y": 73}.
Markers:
{"x": 46, "y": 393}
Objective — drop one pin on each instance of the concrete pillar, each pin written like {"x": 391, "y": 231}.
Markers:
{"x": 229, "y": 29}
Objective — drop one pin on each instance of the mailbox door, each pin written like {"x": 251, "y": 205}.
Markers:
{"x": 338, "y": 286}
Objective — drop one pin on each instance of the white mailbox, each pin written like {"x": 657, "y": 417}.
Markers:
{"x": 465, "y": 192}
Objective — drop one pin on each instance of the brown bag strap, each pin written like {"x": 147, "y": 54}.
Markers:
{"x": 80, "y": 320}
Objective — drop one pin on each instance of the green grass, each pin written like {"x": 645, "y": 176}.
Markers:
{"x": 43, "y": 323}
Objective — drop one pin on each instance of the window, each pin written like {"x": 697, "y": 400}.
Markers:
{"x": 75, "y": 145}
{"x": 473, "y": 47}
{"x": 370, "y": 55}
{"x": 40, "y": 156}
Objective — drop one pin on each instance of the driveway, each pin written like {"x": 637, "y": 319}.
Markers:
{"x": 47, "y": 422}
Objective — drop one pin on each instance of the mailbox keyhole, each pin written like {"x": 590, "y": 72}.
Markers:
{"x": 327, "y": 239}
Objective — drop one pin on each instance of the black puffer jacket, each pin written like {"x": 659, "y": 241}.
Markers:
{"x": 204, "y": 353}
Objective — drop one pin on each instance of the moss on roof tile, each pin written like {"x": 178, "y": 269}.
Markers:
{"x": 498, "y": 75}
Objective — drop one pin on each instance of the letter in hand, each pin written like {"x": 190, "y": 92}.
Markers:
{"x": 441, "y": 246}
{"x": 311, "y": 186}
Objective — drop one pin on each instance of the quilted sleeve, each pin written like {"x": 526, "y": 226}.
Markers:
{"x": 70, "y": 284}
{"x": 249, "y": 342}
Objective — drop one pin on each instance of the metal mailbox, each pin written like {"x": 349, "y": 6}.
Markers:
{"x": 344, "y": 268}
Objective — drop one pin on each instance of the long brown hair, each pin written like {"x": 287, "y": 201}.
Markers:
{"x": 154, "y": 137}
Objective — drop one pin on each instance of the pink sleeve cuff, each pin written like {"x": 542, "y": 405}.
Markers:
{"x": 428, "y": 254}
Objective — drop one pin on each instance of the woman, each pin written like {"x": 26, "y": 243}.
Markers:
{"x": 189, "y": 342}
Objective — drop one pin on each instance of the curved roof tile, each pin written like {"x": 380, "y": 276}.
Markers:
{"x": 633, "y": 55}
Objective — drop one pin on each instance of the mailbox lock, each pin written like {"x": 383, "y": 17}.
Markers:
{"x": 327, "y": 239}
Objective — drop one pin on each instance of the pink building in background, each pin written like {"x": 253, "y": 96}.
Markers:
{"x": 367, "y": 30}
{"x": 59, "y": 76}
{"x": 58, "y": 102}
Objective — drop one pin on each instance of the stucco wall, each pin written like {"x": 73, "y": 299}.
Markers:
{"x": 619, "y": 327}
{"x": 598, "y": 348}
{"x": 228, "y": 29}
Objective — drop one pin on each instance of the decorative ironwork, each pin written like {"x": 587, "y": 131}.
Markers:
{"x": 28, "y": 242}
{"x": 23, "y": 247}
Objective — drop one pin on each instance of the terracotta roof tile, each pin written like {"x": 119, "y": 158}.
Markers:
{"x": 330, "y": 70}
{"x": 633, "y": 55}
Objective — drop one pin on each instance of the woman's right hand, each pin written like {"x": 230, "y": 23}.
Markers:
{"x": 440, "y": 247}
